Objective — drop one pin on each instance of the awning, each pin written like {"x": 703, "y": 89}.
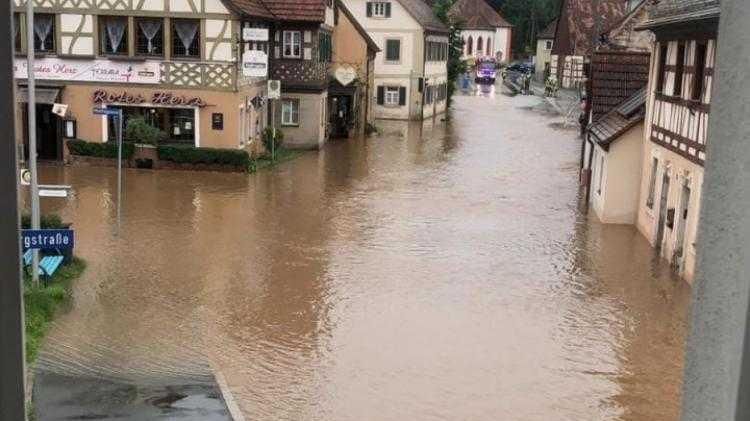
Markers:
{"x": 43, "y": 95}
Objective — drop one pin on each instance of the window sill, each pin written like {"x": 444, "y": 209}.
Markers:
{"x": 118, "y": 57}
{"x": 289, "y": 125}
{"x": 391, "y": 63}
{"x": 185, "y": 58}
{"x": 77, "y": 57}
{"x": 291, "y": 58}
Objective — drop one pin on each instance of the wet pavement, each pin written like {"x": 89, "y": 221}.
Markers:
{"x": 442, "y": 271}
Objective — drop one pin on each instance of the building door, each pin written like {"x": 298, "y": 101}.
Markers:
{"x": 48, "y": 136}
{"x": 662, "y": 210}
{"x": 682, "y": 216}
{"x": 341, "y": 114}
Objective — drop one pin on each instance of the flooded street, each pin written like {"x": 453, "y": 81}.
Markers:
{"x": 448, "y": 274}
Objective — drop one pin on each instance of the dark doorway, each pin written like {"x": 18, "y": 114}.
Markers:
{"x": 48, "y": 139}
{"x": 662, "y": 211}
{"x": 341, "y": 115}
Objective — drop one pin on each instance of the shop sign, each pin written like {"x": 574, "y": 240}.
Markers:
{"x": 255, "y": 34}
{"x": 157, "y": 98}
{"x": 254, "y": 64}
{"x": 345, "y": 75}
{"x": 90, "y": 70}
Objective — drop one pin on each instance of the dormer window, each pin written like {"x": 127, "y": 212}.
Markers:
{"x": 379, "y": 9}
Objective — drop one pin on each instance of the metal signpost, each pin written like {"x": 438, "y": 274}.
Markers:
{"x": 274, "y": 93}
{"x": 31, "y": 104}
{"x": 12, "y": 368}
{"x": 118, "y": 114}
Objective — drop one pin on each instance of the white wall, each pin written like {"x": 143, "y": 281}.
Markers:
{"x": 499, "y": 41}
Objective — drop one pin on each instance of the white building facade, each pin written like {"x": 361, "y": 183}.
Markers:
{"x": 411, "y": 74}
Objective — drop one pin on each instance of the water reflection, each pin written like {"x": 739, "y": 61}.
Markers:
{"x": 436, "y": 271}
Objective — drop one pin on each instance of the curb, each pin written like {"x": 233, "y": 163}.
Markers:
{"x": 226, "y": 394}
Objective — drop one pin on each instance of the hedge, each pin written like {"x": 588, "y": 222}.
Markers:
{"x": 210, "y": 156}
{"x": 100, "y": 150}
{"x": 49, "y": 221}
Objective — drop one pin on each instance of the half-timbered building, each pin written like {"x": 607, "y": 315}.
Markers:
{"x": 172, "y": 62}
{"x": 579, "y": 26}
{"x": 679, "y": 105}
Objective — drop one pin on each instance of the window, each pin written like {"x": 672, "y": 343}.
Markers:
{"x": 17, "y": 32}
{"x": 177, "y": 124}
{"x": 679, "y": 69}
{"x": 186, "y": 37}
{"x": 44, "y": 33}
{"x": 662, "y": 71}
{"x": 392, "y": 95}
{"x": 379, "y": 9}
{"x": 113, "y": 35}
{"x": 479, "y": 45}
{"x": 392, "y": 50}
{"x": 470, "y": 46}
{"x": 548, "y": 45}
{"x": 429, "y": 95}
{"x": 324, "y": 47}
{"x": 149, "y": 38}
{"x": 700, "y": 71}
{"x": 489, "y": 47}
{"x": 292, "y": 46}
{"x": 652, "y": 183}
{"x": 290, "y": 112}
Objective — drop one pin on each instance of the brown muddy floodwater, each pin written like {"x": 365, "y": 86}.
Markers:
{"x": 448, "y": 274}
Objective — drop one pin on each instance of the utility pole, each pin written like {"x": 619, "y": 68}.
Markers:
{"x": 31, "y": 102}
{"x": 12, "y": 381}
{"x": 717, "y": 361}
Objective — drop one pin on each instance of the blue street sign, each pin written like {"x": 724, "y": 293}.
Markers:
{"x": 58, "y": 239}
{"x": 106, "y": 111}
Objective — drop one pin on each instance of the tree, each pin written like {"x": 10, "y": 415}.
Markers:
{"x": 456, "y": 66}
{"x": 528, "y": 17}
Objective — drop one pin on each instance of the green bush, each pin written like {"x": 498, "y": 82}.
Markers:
{"x": 190, "y": 155}
{"x": 139, "y": 131}
{"x": 267, "y": 138}
{"x": 50, "y": 221}
{"x": 100, "y": 150}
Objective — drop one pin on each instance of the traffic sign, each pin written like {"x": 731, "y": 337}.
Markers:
{"x": 51, "y": 190}
{"x": 50, "y": 239}
{"x": 106, "y": 111}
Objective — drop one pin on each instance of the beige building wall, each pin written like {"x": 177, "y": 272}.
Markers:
{"x": 543, "y": 56}
{"x": 310, "y": 133}
{"x": 617, "y": 200}
{"x": 93, "y": 128}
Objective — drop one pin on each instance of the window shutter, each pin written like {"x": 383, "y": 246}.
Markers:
{"x": 369, "y": 9}
{"x": 381, "y": 95}
{"x": 402, "y": 96}
{"x": 388, "y": 10}
{"x": 420, "y": 85}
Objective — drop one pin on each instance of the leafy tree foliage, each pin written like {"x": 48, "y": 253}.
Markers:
{"x": 456, "y": 66}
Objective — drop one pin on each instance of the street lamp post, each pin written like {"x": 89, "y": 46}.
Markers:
{"x": 31, "y": 103}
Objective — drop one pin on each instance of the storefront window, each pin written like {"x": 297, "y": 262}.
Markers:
{"x": 178, "y": 124}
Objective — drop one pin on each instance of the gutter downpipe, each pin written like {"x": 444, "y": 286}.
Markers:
{"x": 717, "y": 360}
{"x": 587, "y": 138}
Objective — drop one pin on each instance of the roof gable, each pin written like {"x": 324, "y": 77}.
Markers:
{"x": 477, "y": 14}
{"x": 549, "y": 31}
{"x": 424, "y": 15}
{"x": 580, "y": 24}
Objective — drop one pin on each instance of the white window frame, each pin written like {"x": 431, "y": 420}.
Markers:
{"x": 288, "y": 112}
{"x": 548, "y": 45}
{"x": 392, "y": 97}
{"x": 291, "y": 39}
{"x": 378, "y": 9}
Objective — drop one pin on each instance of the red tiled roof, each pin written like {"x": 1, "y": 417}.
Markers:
{"x": 253, "y": 8}
{"x": 298, "y": 10}
{"x": 477, "y": 14}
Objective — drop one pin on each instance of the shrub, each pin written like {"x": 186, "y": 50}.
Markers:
{"x": 100, "y": 150}
{"x": 190, "y": 155}
{"x": 49, "y": 221}
{"x": 267, "y": 138}
{"x": 139, "y": 131}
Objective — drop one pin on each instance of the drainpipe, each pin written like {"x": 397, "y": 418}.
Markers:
{"x": 12, "y": 366}
{"x": 717, "y": 360}
{"x": 590, "y": 170}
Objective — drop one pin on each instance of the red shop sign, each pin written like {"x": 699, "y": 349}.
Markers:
{"x": 158, "y": 98}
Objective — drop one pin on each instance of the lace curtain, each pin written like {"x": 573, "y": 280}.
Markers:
{"x": 186, "y": 30}
{"x": 150, "y": 28}
{"x": 42, "y": 29}
{"x": 115, "y": 33}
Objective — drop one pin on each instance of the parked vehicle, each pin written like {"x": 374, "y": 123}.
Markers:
{"x": 486, "y": 70}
